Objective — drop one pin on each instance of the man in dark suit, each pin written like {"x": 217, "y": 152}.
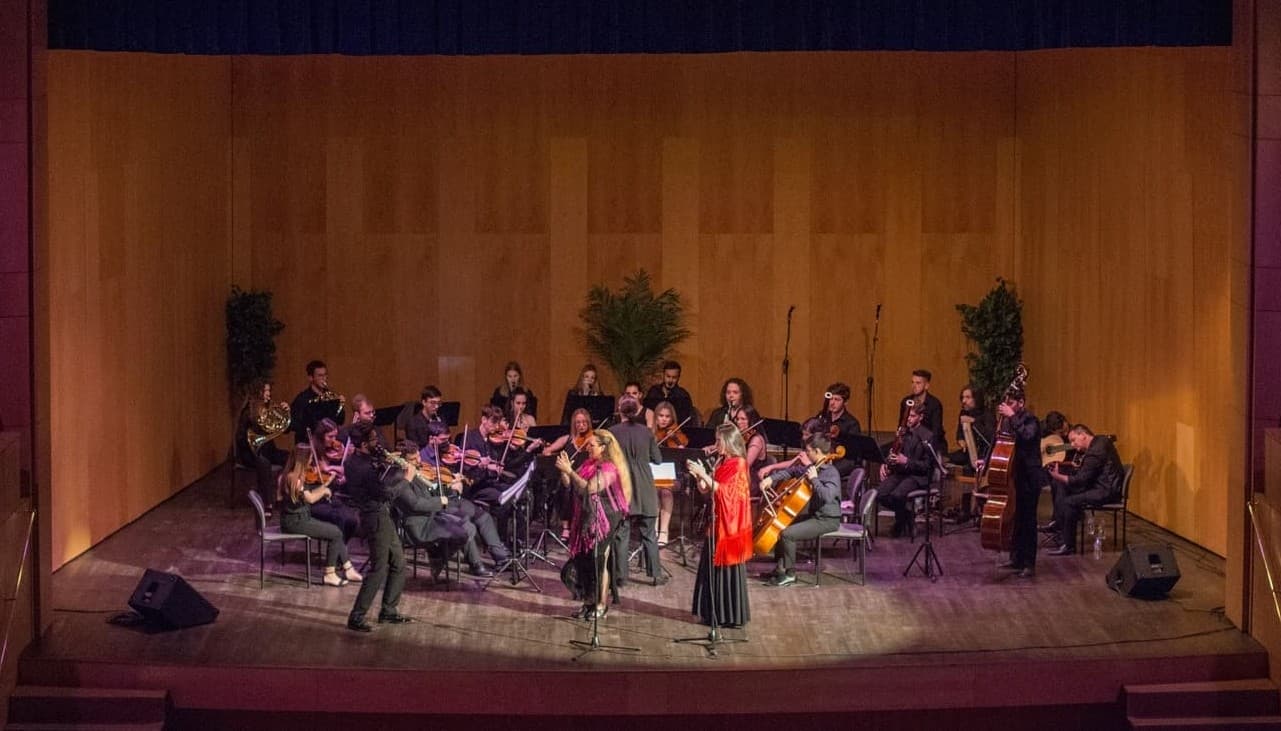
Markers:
{"x": 431, "y": 516}
{"x": 906, "y": 470}
{"x": 1097, "y": 481}
{"x": 636, "y": 442}
{"x": 933, "y": 418}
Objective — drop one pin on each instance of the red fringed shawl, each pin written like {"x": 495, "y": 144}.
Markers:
{"x": 733, "y": 512}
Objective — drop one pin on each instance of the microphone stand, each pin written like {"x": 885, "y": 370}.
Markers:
{"x": 929, "y": 562}
{"x": 593, "y": 643}
{"x": 871, "y": 366}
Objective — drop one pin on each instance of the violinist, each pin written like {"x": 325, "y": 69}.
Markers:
{"x": 839, "y": 423}
{"x": 416, "y": 429}
{"x": 633, "y": 390}
{"x": 362, "y": 412}
{"x": 575, "y": 445}
{"x": 667, "y": 433}
{"x": 431, "y": 516}
{"x": 326, "y": 471}
{"x": 447, "y": 476}
{"x": 295, "y": 517}
{"x": 496, "y": 463}
{"x": 907, "y": 468}
{"x": 315, "y": 402}
{"x": 637, "y": 445}
{"x": 822, "y": 514}
{"x": 513, "y": 380}
{"x": 735, "y": 394}
{"x": 933, "y": 418}
{"x": 373, "y": 487}
{"x": 747, "y": 421}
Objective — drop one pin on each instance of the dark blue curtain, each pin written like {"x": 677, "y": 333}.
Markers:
{"x": 450, "y": 27}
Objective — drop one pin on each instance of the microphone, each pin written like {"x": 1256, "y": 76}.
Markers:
{"x": 878, "y": 310}
{"x": 790, "y": 310}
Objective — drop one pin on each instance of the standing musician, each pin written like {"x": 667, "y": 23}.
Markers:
{"x": 933, "y": 418}
{"x": 513, "y": 379}
{"x": 295, "y": 517}
{"x": 430, "y": 514}
{"x": 906, "y": 469}
{"x": 723, "y": 572}
{"x": 373, "y": 496}
{"x": 602, "y": 490}
{"x": 259, "y": 422}
{"x": 669, "y": 389}
{"x": 667, "y": 433}
{"x": 735, "y": 394}
{"x": 1022, "y": 425}
{"x": 315, "y": 402}
{"x": 633, "y": 390}
{"x": 982, "y": 425}
{"x": 822, "y": 513}
{"x": 1096, "y": 481}
{"x": 417, "y": 428}
{"x": 839, "y": 424}
{"x": 637, "y": 445}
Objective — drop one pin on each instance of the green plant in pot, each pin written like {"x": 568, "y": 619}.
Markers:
{"x": 632, "y": 330}
{"x": 995, "y": 327}
{"x": 251, "y": 342}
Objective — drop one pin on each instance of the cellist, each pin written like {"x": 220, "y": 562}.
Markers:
{"x": 1020, "y": 423}
{"x": 822, "y": 513}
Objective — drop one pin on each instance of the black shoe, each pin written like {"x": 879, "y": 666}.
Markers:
{"x": 1028, "y": 573}
{"x": 770, "y": 575}
{"x": 437, "y": 568}
{"x": 784, "y": 580}
{"x": 1014, "y": 565}
{"x": 385, "y": 618}
{"x": 359, "y": 625}
{"x": 1049, "y": 527}
{"x": 1061, "y": 551}
{"x": 584, "y": 612}
{"x": 661, "y": 580}
{"x": 480, "y": 572}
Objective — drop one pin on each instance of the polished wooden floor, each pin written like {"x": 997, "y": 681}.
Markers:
{"x": 974, "y": 615}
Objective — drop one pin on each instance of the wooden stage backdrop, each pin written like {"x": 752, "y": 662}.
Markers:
{"x": 423, "y": 220}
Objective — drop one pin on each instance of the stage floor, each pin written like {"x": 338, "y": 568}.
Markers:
{"x": 973, "y": 610}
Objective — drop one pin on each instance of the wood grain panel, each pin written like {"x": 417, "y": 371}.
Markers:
{"x": 427, "y": 219}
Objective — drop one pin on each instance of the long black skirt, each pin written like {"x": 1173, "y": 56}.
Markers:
{"x": 728, "y": 585}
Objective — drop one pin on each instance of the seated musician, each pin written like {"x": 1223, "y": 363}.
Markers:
{"x": 1096, "y": 481}
{"x": 575, "y": 444}
{"x": 315, "y": 402}
{"x": 669, "y": 389}
{"x": 933, "y": 418}
{"x": 735, "y": 394}
{"x": 260, "y": 457}
{"x": 982, "y": 424}
{"x": 328, "y": 470}
{"x": 748, "y": 422}
{"x": 822, "y": 514}
{"x": 513, "y": 379}
{"x": 809, "y": 428}
{"x": 363, "y": 412}
{"x": 588, "y": 385}
{"x": 433, "y": 457}
{"x": 296, "y": 500}
{"x": 416, "y": 429}
{"x": 668, "y": 434}
{"x": 498, "y": 463}
{"x": 906, "y": 470}
{"x": 839, "y": 423}
{"x": 633, "y": 390}
{"x": 517, "y": 410}
{"x": 431, "y": 514}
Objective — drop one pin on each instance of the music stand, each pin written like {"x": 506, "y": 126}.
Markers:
{"x": 548, "y": 434}
{"x": 786, "y": 434}
{"x": 681, "y": 544}
{"x": 599, "y": 407}
{"x": 449, "y": 411}
{"x": 925, "y": 555}
{"x": 699, "y": 437}
{"x": 861, "y": 447}
{"x": 521, "y": 551}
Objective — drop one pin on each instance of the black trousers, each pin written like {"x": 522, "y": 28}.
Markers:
{"x": 806, "y": 530}
{"x": 485, "y": 527}
{"x": 387, "y": 565}
{"x": 1068, "y": 510}
{"x": 893, "y": 492}
{"x": 1027, "y": 494}
{"x": 649, "y": 542}
{"x": 307, "y": 525}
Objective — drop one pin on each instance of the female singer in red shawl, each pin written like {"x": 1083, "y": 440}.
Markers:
{"x": 726, "y": 574}
{"x": 602, "y": 491}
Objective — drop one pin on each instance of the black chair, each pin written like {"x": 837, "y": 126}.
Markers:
{"x": 853, "y": 533}
{"x": 1119, "y": 507}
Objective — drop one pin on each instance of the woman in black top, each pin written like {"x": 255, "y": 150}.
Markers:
{"x": 295, "y": 516}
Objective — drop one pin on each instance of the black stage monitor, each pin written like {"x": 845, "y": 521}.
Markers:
{"x": 1146, "y": 571}
{"x": 167, "y": 601}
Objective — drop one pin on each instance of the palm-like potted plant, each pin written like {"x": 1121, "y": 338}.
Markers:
{"x": 995, "y": 326}
{"x": 251, "y": 342}
{"x": 631, "y": 331}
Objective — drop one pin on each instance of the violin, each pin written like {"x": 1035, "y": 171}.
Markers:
{"x": 470, "y": 457}
{"x": 672, "y": 436}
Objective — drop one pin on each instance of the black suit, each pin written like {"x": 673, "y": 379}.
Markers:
{"x": 904, "y": 478}
{"x": 636, "y": 442}
{"x": 373, "y": 498}
{"x": 932, "y": 419}
{"x": 427, "y": 521}
{"x": 1028, "y": 478}
{"x": 1098, "y": 480}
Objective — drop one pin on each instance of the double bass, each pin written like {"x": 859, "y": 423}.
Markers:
{"x": 996, "y": 526}
{"x": 792, "y": 497}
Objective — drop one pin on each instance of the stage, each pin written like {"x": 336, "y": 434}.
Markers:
{"x": 975, "y": 638}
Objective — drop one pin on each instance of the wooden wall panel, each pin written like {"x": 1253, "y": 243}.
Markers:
{"x": 427, "y": 219}
{"x": 139, "y": 270}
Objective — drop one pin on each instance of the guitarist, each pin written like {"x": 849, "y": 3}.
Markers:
{"x": 822, "y": 514}
{"x": 1026, "y": 470}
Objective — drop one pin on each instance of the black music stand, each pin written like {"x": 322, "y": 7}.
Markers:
{"x": 522, "y": 552}
{"x": 599, "y": 407}
{"x": 681, "y": 544}
{"x": 548, "y": 434}
{"x": 861, "y": 447}
{"x": 925, "y": 557}
{"x": 699, "y": 437}
{"x": 786, "y": 434}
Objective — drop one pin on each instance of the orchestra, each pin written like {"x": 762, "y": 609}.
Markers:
{"x": 446, "y": 484}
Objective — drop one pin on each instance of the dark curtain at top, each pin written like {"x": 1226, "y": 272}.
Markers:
{"x": 449, "y": 27}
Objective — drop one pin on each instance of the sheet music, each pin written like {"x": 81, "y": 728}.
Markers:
{"x": 664, "y": 471}
{"x": 517, "y": 487}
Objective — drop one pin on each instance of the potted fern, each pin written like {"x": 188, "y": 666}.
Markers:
{"x": 632, "y": 330}
{"x": 995, "y": 326}
{"x": 251, "y": 341}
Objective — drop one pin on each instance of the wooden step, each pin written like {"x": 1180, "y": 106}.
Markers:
{"x": 1255, "y": 697}
{"x": 32, "y": 704}
{"x": 1231, "y": 723}
{"x": 158, "y": 726}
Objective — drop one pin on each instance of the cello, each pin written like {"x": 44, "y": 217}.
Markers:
{"x": 996, "y": 526}
{"x": 792, "y": 497}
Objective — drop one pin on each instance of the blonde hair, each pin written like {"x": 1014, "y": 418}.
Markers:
{"x": 289, "y": 484}
{"x": 615, "y": 455}
{"x": 732, "y": 439}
